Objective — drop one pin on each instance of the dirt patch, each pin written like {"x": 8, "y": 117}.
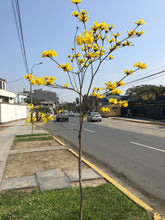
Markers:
{"x": 33, "y": 144}
{"x": 86, "y": 183}
{"x": 27, "y": 164}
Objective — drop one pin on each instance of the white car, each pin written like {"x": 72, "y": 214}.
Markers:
{"x": 62, "y": 116}
{"x": 94, "y": 116}
{"x": 71, "y": 113}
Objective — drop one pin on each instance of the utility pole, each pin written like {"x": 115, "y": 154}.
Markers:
{"x": 31, "y": 99}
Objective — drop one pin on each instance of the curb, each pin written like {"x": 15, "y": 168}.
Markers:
{"x": 135, "y": 199}
{"x": 138, "y": 121}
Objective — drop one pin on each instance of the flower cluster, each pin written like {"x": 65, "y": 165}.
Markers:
{"x": 34, "y": 114}
{"x": 112, "y": 87}
{"x": 140, "y": 65}
{"x": 45, "y": 80}
{"x": 82, "y": 15}
{"x": 66, "y": 67}
{"x": 96, "y": 93}
{"x": 49, "y": 53}
{"x": 75, "y": 1}
{"x": 121, "y": 103}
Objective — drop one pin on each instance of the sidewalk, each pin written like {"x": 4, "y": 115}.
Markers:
{"x": 56, "y": 174}
{"x": 62, "y": 175}
{"x": 6, "y": 139}
{"x": 138, "y": 120}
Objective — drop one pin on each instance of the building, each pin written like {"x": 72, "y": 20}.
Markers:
{"x": 46, "y": 98}
{"x": 10, "y": 109}
{"x": 6, "y": 96}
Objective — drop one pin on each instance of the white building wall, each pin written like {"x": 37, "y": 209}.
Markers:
{"x": 11, "y": 112}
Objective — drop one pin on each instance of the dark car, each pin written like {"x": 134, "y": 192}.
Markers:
{"x": 94, "y": 116}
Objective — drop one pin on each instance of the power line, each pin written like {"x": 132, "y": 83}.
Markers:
{"x": 154, "y": 74}
{"x": 17, "y": 16}
{"x": 15, "y": 80}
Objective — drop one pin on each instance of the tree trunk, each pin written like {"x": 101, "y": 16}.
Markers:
{"x": 80, "y": 161}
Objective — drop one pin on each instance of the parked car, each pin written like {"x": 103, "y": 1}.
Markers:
{"x": 94, "y": 116}
{"x": 71, "y": 113}
{"x": 62, "y": 116}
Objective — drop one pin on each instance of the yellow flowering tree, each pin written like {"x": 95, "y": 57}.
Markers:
{"x": 91, "y": 48}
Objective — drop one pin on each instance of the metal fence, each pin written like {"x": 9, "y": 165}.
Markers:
{"x": 146, "y": 109}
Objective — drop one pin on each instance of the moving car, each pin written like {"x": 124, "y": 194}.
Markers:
{"x": 62, "y": 116}
{"x": 71, "y": 113}
{"x": 94, "y": 116}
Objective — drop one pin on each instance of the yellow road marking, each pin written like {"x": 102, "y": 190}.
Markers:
{"x": 116, "y": 184}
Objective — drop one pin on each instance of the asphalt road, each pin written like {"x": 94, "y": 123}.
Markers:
{"x": 137, "y": 154}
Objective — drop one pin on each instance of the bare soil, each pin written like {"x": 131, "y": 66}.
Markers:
{"x": 33, "y": 144}
{"x": 27, "y": 164}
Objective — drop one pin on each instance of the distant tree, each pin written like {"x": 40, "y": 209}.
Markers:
{"x": 77, "y": 101}
{"x": 35, "y": 101}
{"x": 148, "y": 90}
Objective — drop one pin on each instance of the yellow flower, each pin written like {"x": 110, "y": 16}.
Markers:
{"x": 31, "y": 107}
{"x": 116, "y": 92}
{"x": 83, "y": 16}
{"x": 139, "y": 22}
{"x": 128, "y": 72}
{"x": 81, "y": 61}
{"x": 39, "y": 81}
{"x": 111, "y": 100}
{"x": 110, "y": 57}
{"x": 125, "y": 103}
{"x": 139, "y": 33}
{"x": 88, "y": 38}
{"x": 65, "y": 67}
{"x": 49, "y": 53}
{"x": 50, "y": 118}
{"x": 127, "y": 43}
{"x": 61, "y": 110}
{"x": 99, "y": 96}
{"x": 28, "y": 120}
{"x": 79, "y": 40}
{"x": 44, "y": 119}
{"x": 75, "y": 13}
{"x": 93, "y": 94}
{"x": 34, "y": 118}
{"x": 131, "y": 33}
{"x": 140, "y": 66}
{"x": 65, "y": 85}
{"x": 33, "y": 82}
{"x": 75, "y": 1}
{"x": 120, "y": 83}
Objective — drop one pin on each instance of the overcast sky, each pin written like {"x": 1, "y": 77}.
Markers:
{"x": 50, "y": 25}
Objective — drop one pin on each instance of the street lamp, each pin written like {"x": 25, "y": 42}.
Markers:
{"x": 31, "y": 84}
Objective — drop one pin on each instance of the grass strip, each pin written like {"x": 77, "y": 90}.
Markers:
{"x": 104, "y": 202}
{"x": 32, "y": 135}
{"x": 34, "y": 139}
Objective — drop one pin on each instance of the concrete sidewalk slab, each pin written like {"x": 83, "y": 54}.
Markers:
{"x": 39, "y": 149}
{"x": 87, "y": 174}
{"x": 52, "y": 179}
{"x": 18, "y": 183}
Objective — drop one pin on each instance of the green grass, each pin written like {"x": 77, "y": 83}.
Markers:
{"x": 104, "y": 202}
{"x": 33, "y": 138}
{"x": 32, "y": 135}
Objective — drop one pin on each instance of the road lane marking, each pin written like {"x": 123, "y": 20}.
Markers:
{"x": 143, "y": 145}
{"x": 89, "y": 130}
